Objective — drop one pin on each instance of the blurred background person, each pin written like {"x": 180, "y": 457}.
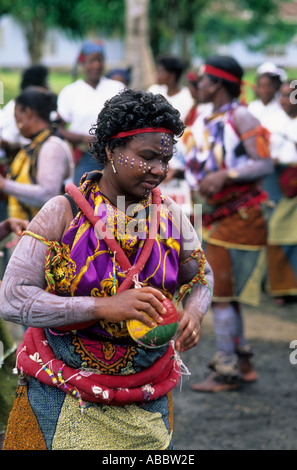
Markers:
{"x": 11, "y": 137}
{"x": 170, "y": 70}
{"x": 269, "y": 80}
{"x": 41, "y": 168}
{"x": 198, "y": 108}
{"x": 11, "y": 140}
{"x": 123, "y": 75}
{"x": 227, "y": 156}
{"x": 80, "y": 102}
{"x": 282, "y": 228}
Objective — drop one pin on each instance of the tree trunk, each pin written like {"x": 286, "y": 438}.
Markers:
{"x": 138, "y": 54}
{"x": 35, "y": 33}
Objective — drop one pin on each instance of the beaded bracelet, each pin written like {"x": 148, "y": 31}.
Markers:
{"x": 200, "y": 276}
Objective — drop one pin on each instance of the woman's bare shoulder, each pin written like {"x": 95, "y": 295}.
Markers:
{"x": 244, "y": 119}
{"x": 53, "y": 219}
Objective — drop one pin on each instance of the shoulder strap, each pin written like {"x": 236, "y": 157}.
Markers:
{"x": 110, "y": 240}
{"x": 72, "y": 204}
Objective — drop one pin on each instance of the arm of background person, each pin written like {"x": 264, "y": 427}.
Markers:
{"x": 255, "y": 169}
{"x": 257, "y": 166}
{"x": 52, "y": 168}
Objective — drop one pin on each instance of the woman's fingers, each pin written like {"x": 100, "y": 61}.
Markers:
{"x": 148, "y": 304}
{"x": 189, "y": 332}
{"x": 143, "y": 304}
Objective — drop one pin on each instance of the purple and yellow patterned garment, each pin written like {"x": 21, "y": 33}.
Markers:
{"x": 88, "y": 265}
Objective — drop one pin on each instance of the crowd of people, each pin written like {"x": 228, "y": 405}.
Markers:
{"x": 109, "y": 276}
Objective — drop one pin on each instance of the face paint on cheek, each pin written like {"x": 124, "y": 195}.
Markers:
{"x": 164, "y": 168}
{"x": 144, "y": 167}
{"x": 164, "y": 152}
{"x": 165, "y": 144}
{"x": 124, "y": 160}
{"x": 127, "y": 161}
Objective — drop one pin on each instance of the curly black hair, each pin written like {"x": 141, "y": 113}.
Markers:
{"x": 129, "y": 110}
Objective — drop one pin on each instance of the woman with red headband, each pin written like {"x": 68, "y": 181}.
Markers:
{"x": 226, "y": 158}
{"x": 95, "y": 276}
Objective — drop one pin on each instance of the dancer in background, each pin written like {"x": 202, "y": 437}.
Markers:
{"x": 266, "y": 109}
{"x": 227, "y": 156}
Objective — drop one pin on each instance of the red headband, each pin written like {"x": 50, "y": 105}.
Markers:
{"x": 210, "y": 70}
{"x": 140, "y": 131}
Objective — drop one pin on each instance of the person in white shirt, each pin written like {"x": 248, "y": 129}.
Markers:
{"x": 11, "y": 137}
{"x": 266, "y": 108}
{"x": 80, "y": 102}
{"x": 168, "y": 77}
{"x": 169, "y": 73}
{"x": 269, "y": 80}
{"x": 40, "y": 169}
{"x": 282, "y": 228}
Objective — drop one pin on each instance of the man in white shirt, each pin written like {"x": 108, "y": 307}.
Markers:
{"x": 80, "y": 103}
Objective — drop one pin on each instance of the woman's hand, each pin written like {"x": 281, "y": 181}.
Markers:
{"x": 143, "y": 304}
{"x": 189, "y": 330}
{"x": 17, "y": 225}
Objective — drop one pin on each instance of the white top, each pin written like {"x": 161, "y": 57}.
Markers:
{"x": 283, "y": 138}
{"x": 55, "y": 167}
{"x": 182, "y": 101}
{"x": 79, "y": 103}
{"x": 261, "y": 111}
{"x": 9, "y": 129}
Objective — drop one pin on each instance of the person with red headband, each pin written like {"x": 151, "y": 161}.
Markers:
{"x": 95, "y": 278}
{"x": 226, "y": 158}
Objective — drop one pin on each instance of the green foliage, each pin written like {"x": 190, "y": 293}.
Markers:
{"x": 214, "y": 22}
{"x": 169, "y": 18}
{"x": 77, "y": 17}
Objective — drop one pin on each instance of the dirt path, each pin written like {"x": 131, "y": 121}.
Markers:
{"x": 262, "y": 415}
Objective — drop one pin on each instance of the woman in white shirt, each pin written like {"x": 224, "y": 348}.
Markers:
{"x": 269, "y": 80}
{"x": 169, "y": 73}
{"x": 40, "y": 169}
{"x": 282, "y": 229}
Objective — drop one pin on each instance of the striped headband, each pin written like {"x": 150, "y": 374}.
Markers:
{"x": 144, "y": 130}
{"x": 216, "y": 72}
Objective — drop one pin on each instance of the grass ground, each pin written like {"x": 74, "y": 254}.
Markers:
{"x": 11, "y": 82}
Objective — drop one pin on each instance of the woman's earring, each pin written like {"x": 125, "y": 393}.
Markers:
{"x": 113, "y": 167}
